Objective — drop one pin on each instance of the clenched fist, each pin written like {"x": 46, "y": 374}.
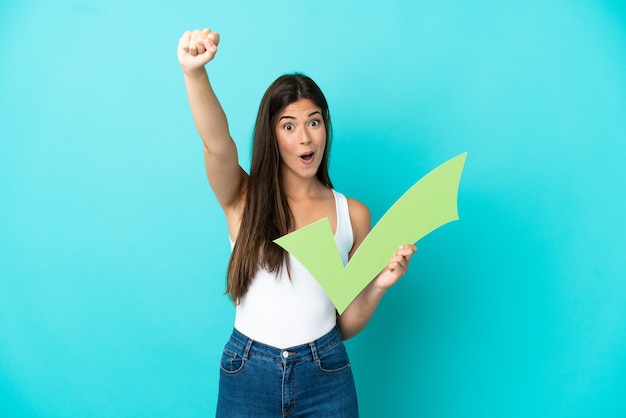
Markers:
{"x": 197, "y": 48}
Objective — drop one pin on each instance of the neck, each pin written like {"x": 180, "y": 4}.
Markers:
{"x": 297, "y": 188}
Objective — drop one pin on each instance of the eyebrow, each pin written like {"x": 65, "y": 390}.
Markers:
{"x": 308, "y": 116}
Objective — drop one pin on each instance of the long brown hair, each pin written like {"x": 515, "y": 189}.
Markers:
{"x": 266, "y": 215}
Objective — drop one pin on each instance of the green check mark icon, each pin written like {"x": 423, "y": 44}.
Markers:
{"x": 427, "y": 205}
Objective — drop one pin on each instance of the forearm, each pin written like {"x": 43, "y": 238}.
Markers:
{"x": 360, "y": 311}
{"x": 207, "y": 112}
{"x": 358, "y": 314}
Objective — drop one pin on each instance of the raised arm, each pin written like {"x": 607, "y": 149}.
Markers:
{"x": 226, "y": 177}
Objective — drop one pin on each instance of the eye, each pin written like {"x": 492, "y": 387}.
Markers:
{"x": 315, "y": 122}
{"x": 288, "y": 127}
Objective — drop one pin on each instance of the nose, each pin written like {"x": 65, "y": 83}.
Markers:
{"x": 305, "y": 138}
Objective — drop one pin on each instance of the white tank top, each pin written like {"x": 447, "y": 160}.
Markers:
{"x": 284, "y": 313}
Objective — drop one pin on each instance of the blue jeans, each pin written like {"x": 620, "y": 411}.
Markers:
{"x": 309, "y": 380}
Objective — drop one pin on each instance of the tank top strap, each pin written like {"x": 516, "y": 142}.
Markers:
{"x": 343, "y": 235}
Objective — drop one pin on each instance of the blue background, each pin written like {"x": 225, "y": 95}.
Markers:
{"x": 113, "y": 249}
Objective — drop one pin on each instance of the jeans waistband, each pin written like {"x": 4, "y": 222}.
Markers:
{"x": 251, "y": 347}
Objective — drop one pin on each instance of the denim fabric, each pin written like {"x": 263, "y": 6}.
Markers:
{"x": 310, "y": 380}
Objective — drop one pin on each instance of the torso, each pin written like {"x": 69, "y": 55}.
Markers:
{"x": 313, "y": 208}
{"x": 284, "y": 312}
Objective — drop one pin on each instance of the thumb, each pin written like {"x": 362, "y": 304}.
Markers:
{"x": 213, "y": 37}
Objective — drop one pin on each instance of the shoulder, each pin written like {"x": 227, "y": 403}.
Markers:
{"x": 358, "y": 210}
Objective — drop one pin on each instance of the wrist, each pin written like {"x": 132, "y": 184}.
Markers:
{"x": 195, "y": 72}
{"x": 377, "y": 289}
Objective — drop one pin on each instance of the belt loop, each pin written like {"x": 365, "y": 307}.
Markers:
{"x": 314, "y": 351}
{"x": 246, "y": 350}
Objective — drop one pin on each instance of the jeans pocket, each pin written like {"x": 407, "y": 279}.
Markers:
{"x": 334, "y": 360}
{"x": 232, "y": 362}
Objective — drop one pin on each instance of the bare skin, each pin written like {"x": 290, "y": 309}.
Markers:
{"x": 301, "y": 140}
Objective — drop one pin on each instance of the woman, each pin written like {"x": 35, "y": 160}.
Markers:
{"x": 285, "y": 356}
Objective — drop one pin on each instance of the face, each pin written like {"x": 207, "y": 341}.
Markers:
{"x": 301, "y": 135}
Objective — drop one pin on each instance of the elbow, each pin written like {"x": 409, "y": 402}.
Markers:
{"x": 348, "y": 329}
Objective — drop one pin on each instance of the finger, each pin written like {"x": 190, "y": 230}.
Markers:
{"x": 209, "y": 45}
{"x": 214, "y": 37}
{"x": 203, "y": 35}
{"x": 408, "y": 247}
{"x": 405, "y": 255}
{"x": 192, "y": 48}
{"x": 200, "y": 47}
{"x": 407, "y": 250}
{"x": 183, "y": 42}
{"x": 398, "y": 263}
{"x": 196, "y": 38}
{"x": 211, "y": 41}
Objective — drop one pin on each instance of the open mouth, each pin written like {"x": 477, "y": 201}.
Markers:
{"x": 307, "y": 157}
